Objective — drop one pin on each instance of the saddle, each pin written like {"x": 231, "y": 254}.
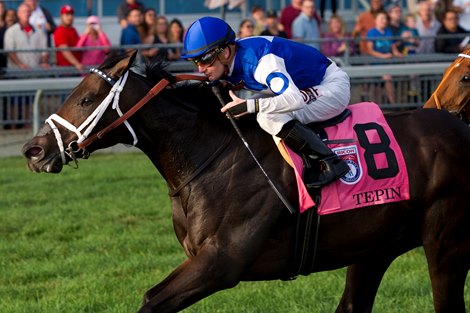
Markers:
{"x": 319, "y": 127}
{"x": 360, "y": 136}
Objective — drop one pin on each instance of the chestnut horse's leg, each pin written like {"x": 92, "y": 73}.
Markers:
{"x": 362, "y": 283}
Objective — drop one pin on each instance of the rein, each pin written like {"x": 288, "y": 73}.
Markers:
{"x": 162, "y": 84}
{"x": 463, "y": 56}
{"x": 77, "y": 148}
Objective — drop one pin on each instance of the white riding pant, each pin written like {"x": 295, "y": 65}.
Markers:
{"x": 329, "y": 99}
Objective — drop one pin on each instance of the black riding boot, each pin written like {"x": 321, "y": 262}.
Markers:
{"x": 306, "y": 142}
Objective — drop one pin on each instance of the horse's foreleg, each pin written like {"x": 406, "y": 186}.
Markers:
{"x": 448, "y": 289}
{"x": 208, "y": 272}
{"x": 448, "y": 256}
{"x": 362, "y": 283}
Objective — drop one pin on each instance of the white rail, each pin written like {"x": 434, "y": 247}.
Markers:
{"x": 370, "y": 74}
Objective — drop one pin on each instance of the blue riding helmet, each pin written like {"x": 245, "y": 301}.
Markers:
{"x": 206, "y": 34}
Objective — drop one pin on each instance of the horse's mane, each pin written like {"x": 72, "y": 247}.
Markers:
{"x": 154, "y": 69}
{"x": 193, "y": 95}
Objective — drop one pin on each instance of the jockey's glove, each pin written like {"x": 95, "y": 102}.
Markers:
{"x": 239, "y": 109}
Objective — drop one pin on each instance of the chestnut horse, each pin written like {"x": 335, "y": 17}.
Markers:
{"x": 453, "y": 92}
{"x": 231, "y": 224}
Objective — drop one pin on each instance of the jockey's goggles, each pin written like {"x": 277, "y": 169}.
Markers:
{"x": 207, "y": 59}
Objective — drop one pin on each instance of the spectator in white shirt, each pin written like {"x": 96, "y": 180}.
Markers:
{"x": 427, "y": 26}
{"x": 23, "y": 36}
{"x": 41, "y": 18}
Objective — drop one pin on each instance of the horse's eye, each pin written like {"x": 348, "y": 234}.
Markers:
{"x": 86, "y": 101}
{"x": 466, "y": 78}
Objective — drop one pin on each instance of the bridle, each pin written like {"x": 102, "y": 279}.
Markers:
{"x": 77, "y": 148}
{"x": 463, "y": 56}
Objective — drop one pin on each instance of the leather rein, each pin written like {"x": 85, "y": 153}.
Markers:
{"x": 77, "y": 148}
{"x": 462, "y": 57}
{"x": 155, "y": 90}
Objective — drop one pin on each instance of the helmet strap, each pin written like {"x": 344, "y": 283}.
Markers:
{"x": 226, "y": 61}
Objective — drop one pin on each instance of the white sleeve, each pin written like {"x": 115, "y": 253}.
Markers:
{"x": 271, "y": 71}
{"x": 9, "y": 40}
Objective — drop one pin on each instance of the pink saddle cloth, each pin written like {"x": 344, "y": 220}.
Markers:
{"x": 377, "y": 172}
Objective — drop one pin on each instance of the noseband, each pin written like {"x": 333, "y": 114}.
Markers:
{"x": 84, "y": 130}
{"x": 77, "y": 148}
{"x": 463, "y": 56}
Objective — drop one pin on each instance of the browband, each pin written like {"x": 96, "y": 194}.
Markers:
{"x": 106, "y": 77}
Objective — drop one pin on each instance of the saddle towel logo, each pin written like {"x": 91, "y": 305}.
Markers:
{"x": 350, "y": 155}
{"x": 377, "y": 172}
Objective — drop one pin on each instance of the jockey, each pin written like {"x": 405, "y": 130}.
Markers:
{"x": 296, "y": 85}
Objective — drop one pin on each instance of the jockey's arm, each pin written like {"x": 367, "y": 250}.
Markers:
{"x": 271, "y": 72}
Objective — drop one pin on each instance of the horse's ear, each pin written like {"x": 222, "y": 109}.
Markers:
{"x": 123, "y": 65}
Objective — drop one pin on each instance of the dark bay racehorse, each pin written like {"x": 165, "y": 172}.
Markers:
{"x": 232, "y": 225}
{"x": 453, "y": 92}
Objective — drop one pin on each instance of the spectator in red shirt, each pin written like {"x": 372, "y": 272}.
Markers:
{"x": 66, "y": 36}
{"x": 290, "y": 13}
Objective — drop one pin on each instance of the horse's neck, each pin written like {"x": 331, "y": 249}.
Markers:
{"x": 178, "y": 140}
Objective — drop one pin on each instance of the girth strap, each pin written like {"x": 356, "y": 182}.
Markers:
{"x": 306, "y": 242}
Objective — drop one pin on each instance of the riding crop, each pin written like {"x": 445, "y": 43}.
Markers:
{"x": 216, "y": 91}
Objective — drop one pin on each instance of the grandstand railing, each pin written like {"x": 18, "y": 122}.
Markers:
{"x": 349, "y": 58}
{"x": 27, "y": 97}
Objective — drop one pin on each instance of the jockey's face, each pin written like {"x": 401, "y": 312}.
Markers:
{"x": 210, "y": 65}
{"x": 212, "y": 72}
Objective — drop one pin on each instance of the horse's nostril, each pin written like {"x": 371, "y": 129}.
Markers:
{"x": 33, "y": 152}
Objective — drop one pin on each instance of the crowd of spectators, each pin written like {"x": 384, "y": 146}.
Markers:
{"x": 299, "y": 20}
{"x": 31, "y": 27}
{"x": 382, "y": 32}
{"x": 430, "y": 26}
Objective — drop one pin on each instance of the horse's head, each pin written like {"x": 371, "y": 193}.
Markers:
{"x": 453, "y": 92}
{"x": 84, "y": 112}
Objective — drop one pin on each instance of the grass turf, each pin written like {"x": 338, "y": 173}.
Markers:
{"x": 95, "y": 239}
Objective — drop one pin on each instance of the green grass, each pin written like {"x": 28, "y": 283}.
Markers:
{"x": 95, "y": 239}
